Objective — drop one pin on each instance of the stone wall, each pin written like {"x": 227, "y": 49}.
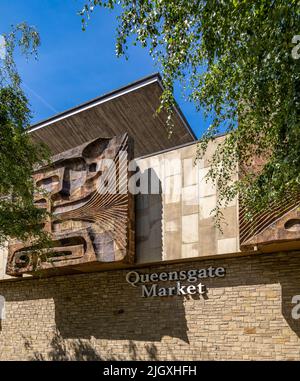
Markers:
{"x": 245, "y": 315}
{"x": 178, "y": 222}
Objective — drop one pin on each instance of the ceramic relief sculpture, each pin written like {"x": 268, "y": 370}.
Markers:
{"x": 91, "y": 219}
{"x": 276, "y": 228}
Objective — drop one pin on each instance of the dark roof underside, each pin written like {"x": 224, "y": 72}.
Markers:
{"x": 129, "y": 109}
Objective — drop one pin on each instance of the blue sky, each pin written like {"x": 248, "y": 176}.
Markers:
{"x": 75, "y": 66}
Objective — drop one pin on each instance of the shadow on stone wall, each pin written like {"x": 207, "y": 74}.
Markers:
{"x": 287, "y": 292}
{"x": 112, "y": 309}
{"x": 130, "y": 317}
{"x": 125, "y": 316}
{"x": 104, "y": 306}
{"x": 80, "y": 350}
{"x": 148, "y": 214}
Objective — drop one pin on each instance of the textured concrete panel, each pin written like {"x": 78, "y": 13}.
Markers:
{"x": 190, "y": 228}
{"x": 187, "y": 203}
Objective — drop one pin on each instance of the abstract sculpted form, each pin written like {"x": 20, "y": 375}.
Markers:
{"x": 91, "y": 211}
{"x": 276, "y": 228}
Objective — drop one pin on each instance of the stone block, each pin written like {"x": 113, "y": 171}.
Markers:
{"x": 173, "y": 226}
{"x": 190, "y": 199}
{"x": 229, "y": 223}
{"x": 207, "y": 237}
{"x": 206, "y": 186}
{"x": 171, "y": 248}
{"x": 227, "y": 245}
{"x": 172, "y": 189}
{"x": 172, "y": 211}
{"x": 190, "y": 228}
{"x": 190, "y": 172}
{"x": 206, "y": 206}
{"x": 190, "y": 250}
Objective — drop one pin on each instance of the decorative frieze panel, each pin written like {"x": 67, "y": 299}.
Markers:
{"x": 273, "y": 229}
{"x": 91, "y": 211}
{"x": 276, "y": 228}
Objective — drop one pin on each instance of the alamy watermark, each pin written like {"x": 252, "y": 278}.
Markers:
{"x": 296, "y": 48}
{"x": 171, "y": 177}
{"x": 2, "y": 307}
{"x": 296, "y": 308}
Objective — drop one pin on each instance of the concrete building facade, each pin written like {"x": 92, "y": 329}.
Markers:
{"x": 193, "y": 292}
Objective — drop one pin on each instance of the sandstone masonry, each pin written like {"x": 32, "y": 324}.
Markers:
{"x": 245, "y": 315}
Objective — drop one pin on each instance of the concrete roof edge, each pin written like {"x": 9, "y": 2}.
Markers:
{"x": 155, "y": 77}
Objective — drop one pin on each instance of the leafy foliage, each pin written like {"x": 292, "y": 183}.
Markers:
{"x": 19, "y": 217}
{"x": 234, "y": 60}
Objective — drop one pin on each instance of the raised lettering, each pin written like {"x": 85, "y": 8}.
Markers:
{"x": 192, "y": 275}
{"x": 202, "y": 273}
{"x": 173, "y": 275}
{"x": 133, "y": 277}
{"x": 180, "y": 289}
{"x": 220, "y": 271}
{"x": 191, "y": 289}
{"x": 151, "y": 291}
{"x": 162, "y": 292}
{"x": 182, "y": 275}
{"x": 153, "y": 277}
{"x": 201, "y": 288}
{"x": 210, "y": 272}
{"x": 163, "y": 276}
